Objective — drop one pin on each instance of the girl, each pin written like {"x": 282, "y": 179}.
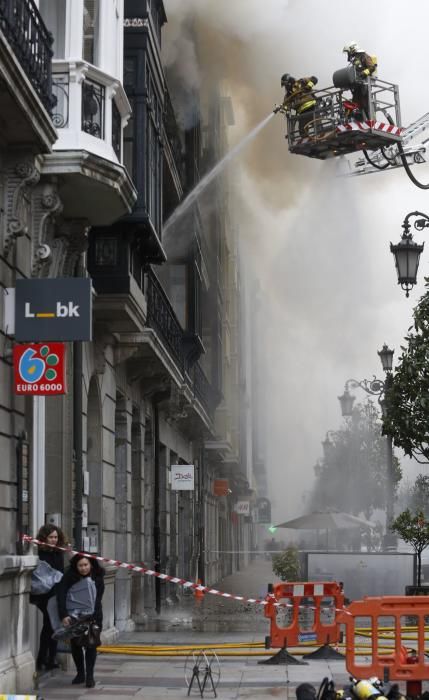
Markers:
{"x": 52, "y": 535}
{"x": 81, "y": 567}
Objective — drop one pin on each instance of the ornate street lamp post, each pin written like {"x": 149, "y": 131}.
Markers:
{"x": 328, "y": 446}
{"x": 407, "y": 252}
{"x": 379, "y": 388}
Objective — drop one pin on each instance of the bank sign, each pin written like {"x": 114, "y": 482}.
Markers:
{"x": 39, "y": 369}
{"x": 53, "y": 309}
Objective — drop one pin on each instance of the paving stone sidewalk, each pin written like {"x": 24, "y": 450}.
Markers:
{"x": 216, "y": 620}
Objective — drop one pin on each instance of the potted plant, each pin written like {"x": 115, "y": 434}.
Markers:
{"x": 286, "y": 564}
{"x": 414, "y": 530}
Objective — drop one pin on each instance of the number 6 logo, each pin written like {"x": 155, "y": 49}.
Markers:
{"x": 31, "y": 368}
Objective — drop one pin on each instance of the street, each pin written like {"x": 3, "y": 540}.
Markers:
{"x": 215, "y": 621}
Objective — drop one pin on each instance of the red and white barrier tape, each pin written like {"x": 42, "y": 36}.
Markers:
{"x": 166, "y": 577}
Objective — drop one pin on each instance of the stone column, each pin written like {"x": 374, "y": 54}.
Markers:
{"x": 137, "y": 513}
{"x": 123, "y": 417}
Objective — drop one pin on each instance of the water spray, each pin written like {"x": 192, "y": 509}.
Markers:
{"x": 214, "y": 172}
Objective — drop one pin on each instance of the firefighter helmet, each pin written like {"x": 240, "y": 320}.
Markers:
{"x": 287, "y": 79}
{"x": 351, "y": 48}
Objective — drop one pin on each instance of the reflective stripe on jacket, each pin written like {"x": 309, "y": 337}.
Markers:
{"x": 301, "y": 96}
{"x": 364, "y": 63}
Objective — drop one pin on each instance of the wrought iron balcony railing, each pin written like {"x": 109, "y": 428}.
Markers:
{"x": 93, "y": 97}
{"x": 31, "y": 42}
{"x": 203, "y": 390}
{"x": 60, "y": 88}
{"x": 161, "y": 317}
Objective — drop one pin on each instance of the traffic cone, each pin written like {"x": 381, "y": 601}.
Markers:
{"x": 199, "y": 595}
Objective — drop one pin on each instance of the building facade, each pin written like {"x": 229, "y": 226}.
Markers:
{"x": 93, "y": 160}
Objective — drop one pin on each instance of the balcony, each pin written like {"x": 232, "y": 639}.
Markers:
{"x": 161, "y": 317}
{"x": 90, "y": 106}
{"x": 117, "y": 274}
{"x": 25, "y": 76}
{"x": 25, "y": 31}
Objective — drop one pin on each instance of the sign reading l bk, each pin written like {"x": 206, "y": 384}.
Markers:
{"x": 53, "y": 309}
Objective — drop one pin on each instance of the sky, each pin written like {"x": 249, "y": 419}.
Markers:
{"x": 316, "y": 241}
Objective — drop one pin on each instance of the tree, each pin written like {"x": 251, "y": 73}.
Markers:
{"x": 286, "y": 564}
{"x": 407, "y": 398}
{"x": 414, "y": 530}
{"x": 420, "y": 494}
{"x": 352, "y": 477}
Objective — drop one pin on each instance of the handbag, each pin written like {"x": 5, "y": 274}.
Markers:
{"x": 44, "y": 578}
{"x": 89, "y": 635}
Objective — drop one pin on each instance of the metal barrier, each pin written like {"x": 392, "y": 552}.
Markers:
{"x": 305, "y": 612}
{"x": 398, "y": 613}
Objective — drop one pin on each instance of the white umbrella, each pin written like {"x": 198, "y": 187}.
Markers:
{"x": 326, "y": 520}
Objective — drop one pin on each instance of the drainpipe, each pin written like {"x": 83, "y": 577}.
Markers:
{"x": 77, "y": 432}
{"x": 77, "y": 443}
{"x": 201, "y": 518}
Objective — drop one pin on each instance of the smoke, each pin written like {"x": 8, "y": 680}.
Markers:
{"x": 316, "y": 242}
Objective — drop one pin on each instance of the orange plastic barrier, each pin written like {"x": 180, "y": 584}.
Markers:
{"x": 392, "y": 611}
{"x": 308, "y": 612}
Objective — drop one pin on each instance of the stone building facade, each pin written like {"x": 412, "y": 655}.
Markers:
{"x": 93, "y": 161}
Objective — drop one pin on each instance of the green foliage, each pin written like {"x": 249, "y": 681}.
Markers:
{"x": 353, "y": 475}
{"x": 420, "y": 494}
{"x": 407, "y": 398}
{"x": 286, "y": 564}
{"x": 414, "y": 530}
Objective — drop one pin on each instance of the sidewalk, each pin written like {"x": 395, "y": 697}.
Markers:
{"x": 216, "y": 620}
{"x": 124, "y": 678}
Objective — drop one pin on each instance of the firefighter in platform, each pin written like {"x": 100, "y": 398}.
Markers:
{"x": 365, "y": 66}
{"x": 299, "y": 98}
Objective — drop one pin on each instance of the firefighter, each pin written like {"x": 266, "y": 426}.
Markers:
{"x": 299, "y": 96}
{"x": 365, "y": 66}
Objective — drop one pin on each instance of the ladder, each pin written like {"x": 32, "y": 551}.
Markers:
{"x": 415, "y": 128}
{"x": 410, "y": 133}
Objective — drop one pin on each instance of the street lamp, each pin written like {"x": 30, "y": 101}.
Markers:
{"x": 376, "y": 387}
{"x": 407, "y": 252}
{"x": 328, "y": 446}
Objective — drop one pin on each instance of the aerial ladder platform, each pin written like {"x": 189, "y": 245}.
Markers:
{"x": 335, "y": 129}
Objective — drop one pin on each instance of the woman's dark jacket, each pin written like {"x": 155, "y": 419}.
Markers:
{"x": 69, "y": 579}
{"x": 55, "y": 559}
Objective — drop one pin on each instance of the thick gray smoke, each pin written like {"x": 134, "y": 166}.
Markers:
{"x": 318, "y": 243}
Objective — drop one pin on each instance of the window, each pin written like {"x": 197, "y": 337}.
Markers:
{"x": 177, "y": 290}
{"x": 106, "y": 252}
{"x": 54, "y": 16}
{"x": 93, "y": 108}
{"x": 128, "y": 143}
{"x": 152, "y": 171}
{"x": 90, "y": 31}
{"x": 116, "y": 130}
{"x": 197, "y": 285}
{"x": 60, "y": 90}
{"x": 153, "y": 166}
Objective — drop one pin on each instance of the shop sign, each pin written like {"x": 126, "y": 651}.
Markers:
{"x": 40, "y": 369}
{"x": 242, "y": 507}
{"x": 182, "y": 477}
{"x": 220, "y": 487}
{"x": 53, "y": 309}
{"x": 263, "y": 507}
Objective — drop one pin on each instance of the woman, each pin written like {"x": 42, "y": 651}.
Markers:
{"x": 52, "y": 535}
{"x": 81, "y": 567}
